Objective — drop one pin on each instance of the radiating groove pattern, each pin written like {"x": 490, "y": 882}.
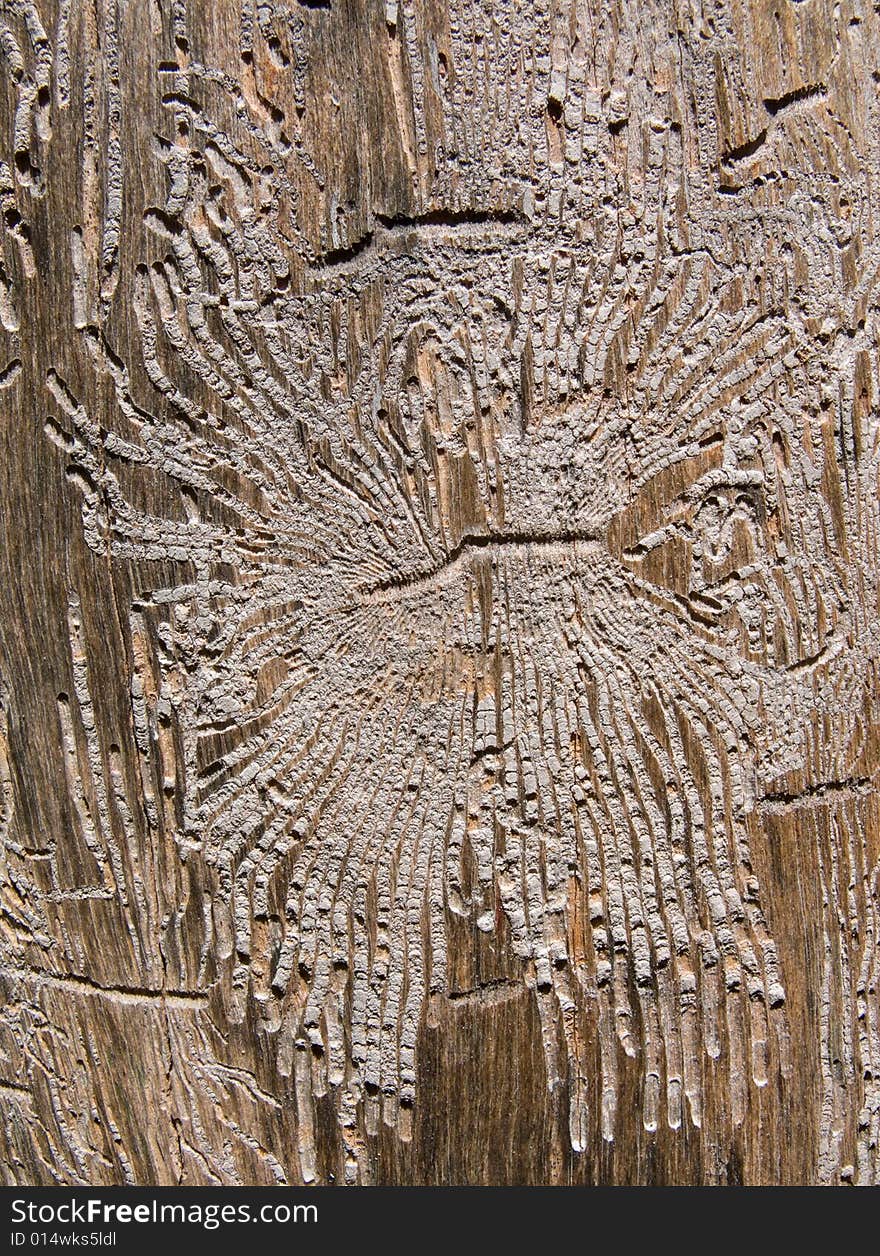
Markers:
{"x": 500, "y": 512}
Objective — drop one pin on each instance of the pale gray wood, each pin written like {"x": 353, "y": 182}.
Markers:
{"x": 439, "y": 592}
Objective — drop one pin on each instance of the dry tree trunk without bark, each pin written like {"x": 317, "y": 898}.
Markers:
{"x": 440, "y": 725}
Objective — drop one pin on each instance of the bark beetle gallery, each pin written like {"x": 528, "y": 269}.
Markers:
{"x": 440, "y": 607}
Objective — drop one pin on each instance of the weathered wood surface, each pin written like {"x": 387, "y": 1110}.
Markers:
{"x": 439, "y": 591}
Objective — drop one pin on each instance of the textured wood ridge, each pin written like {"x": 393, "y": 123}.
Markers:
{"x": 440, "y": 722}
